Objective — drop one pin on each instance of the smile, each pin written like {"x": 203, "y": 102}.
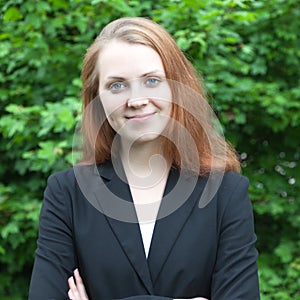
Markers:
{"x": 141, "y": 117}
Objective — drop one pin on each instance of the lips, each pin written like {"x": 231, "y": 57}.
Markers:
{"x": 141, "y": 117}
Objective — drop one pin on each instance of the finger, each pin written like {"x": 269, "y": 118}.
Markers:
{"x": 73, "y": 288}
{"x": 80, "y": 285}
{"x": 71, "y": 283}
{"x": 77, "y": 277}
{"x": 70, "y": 294}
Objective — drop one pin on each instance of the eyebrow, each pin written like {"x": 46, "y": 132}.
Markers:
{"x": 141, "y": 76}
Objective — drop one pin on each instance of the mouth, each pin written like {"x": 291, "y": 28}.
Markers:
{"x": 141, "y": 117}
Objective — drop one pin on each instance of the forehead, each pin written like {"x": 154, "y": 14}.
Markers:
{"x": 119, "y": 58}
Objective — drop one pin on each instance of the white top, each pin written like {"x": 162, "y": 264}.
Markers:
{"x": 147, "y": 203}
{"x": 147, "y": 233}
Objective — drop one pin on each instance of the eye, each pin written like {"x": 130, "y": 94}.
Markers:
{"x": 117, "y": 87}
{"x": 152, "y": 81}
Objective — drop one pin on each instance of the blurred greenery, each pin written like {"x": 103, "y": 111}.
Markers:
{"x": 248, "y": 52}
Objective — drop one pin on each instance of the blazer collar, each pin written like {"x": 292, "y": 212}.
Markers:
{"x": 105, "y": 170}
{"x": 180, "y": 196}
{"x": 127, "y": 233}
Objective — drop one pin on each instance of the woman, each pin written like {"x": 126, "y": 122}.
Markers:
{"x": 156, "y": 209}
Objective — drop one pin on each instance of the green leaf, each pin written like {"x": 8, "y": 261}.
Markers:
{"x": 285, "y": 251}
{"x": 12, "y": 14}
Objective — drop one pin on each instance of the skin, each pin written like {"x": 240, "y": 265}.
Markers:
{"x": 134, "y": 92}
{"x": 77, "y": 291}
{"x": 137, "y": 101}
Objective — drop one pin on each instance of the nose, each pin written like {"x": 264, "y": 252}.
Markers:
{"x": 137, "y": 98}
{"x": 137, "y": 102}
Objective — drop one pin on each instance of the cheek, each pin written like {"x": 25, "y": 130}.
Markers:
{"x": 114, "y": 116}
{"x": 166, "y": 107}
{"x": 112, "y": 106}
{"x": 166, "y": 100}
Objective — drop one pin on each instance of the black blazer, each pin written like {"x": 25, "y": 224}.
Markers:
{"x": 195, "y": 252}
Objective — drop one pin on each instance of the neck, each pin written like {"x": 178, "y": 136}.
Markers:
{"x": 144, "y": 163}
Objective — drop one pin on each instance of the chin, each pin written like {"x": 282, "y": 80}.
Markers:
{"x": 142, "y": 138}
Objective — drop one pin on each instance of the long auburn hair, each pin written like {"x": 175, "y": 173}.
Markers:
{"x": 190, "y": 107}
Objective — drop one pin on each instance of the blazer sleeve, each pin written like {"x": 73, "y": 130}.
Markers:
{"x": 146, "y": 297}
{"x": 55, "y": 257}
{"x": 235, "y": 273}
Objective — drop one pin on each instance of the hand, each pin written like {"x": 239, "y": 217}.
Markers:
{"x": 77, "y": 290}
{"x": 198, "y": 298}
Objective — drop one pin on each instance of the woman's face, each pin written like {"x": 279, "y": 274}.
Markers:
{"x": 134, "y": 91}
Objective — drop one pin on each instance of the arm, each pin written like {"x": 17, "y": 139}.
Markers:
{"x": 235, "y": 274}
{"x": 77, "y": 291}
{"x": 55, "y": 258}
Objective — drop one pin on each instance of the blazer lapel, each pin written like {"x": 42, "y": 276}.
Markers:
{"x": 124, "y": 223}
{"x": 168, "y": 225}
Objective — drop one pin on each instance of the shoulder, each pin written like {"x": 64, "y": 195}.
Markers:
{"x": 223, "y": 188}
{"x": 62, "y": 175}
{"x": 232, "y": 180}
{"x": 70, "y": 174}
{"x": 232, "y": 196}
{"x": 70, "y": 177}
{"x": 224, "y": 183}
{"x": 79, "y": 178}
{"x": 60, "y": 178}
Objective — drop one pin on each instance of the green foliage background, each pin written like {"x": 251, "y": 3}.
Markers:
{"x": 249, "y": 55}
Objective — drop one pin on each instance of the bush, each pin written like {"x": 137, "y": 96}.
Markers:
{"x": 248, "y": 53}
